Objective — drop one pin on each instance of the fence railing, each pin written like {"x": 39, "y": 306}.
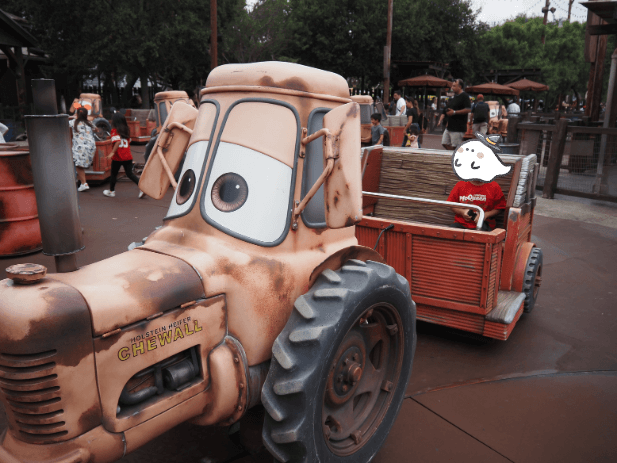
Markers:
{"x": 574, "y": 160}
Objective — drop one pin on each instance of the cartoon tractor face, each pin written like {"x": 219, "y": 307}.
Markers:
{"x": 253, "y": 291}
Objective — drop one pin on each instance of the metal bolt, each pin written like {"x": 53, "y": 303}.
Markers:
{"x": 236, "y": 359}
{"x": 345, "y": 387}
{"x": 386, "y": 386}
{"x": 392, "y": 329}
{"x": 241, "y": 385}
{"x": 239, "y": 408}
{"x": 356, "y": 436}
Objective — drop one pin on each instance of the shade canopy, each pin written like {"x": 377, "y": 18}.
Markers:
{"x": 425, "y": 81}
{"x": 528, "y": 85}
{"x": 492, "y": 88}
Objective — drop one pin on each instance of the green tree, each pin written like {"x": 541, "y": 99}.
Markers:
{"x": 127, "y": 38}
{"x": 517, "y": 45}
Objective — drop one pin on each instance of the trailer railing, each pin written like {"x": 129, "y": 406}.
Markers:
{"x": 430, "y": 201}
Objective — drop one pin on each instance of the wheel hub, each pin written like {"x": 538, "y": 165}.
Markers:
{"x": 347, "y": 373}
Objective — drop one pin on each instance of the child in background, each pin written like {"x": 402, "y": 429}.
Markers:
{"x": 84, "y": 145}
{"x": 120, "y": 153}
{"x": 411, "y": 137}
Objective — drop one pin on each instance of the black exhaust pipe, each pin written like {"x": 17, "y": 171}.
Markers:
{"x": 54, "y": 178}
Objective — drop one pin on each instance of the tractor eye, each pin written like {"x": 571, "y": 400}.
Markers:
{"x": 229, "y": 192}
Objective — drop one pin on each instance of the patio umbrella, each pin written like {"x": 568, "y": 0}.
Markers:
{"x": 528, "y": 85}
{"x": 426, "y": 81}
{"x": 492, "y": 88}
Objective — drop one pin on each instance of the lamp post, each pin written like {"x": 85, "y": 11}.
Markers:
{"x": 545, "y": 10}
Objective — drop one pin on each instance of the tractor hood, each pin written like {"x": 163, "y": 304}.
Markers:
{"x": 133, "y": 286}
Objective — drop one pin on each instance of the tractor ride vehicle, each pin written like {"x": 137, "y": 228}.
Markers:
{"x": 471, "y": 280}
{"x": 253, "y": 291}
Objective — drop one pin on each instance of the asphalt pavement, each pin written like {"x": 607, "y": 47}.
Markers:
{"x": 547, "y": 394}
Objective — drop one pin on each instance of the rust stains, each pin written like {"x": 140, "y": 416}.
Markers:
{"x": 294, "y": 83}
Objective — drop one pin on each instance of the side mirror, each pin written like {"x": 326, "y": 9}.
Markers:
{"x": 168, "y": 151}
{"x": 343, "y": 187}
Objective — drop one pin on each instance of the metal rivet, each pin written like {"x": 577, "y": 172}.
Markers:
{"x": 239, "y": 408}
{"x": 241, "y": 385}
{"x": 236, "y": 360}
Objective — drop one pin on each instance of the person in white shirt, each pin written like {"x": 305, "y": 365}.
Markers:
{"x": 3, "y": 130}
{"x": 400, "y": 104}
{"x": 513, "y": 108}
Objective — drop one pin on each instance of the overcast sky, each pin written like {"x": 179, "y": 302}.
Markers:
{"x": 498, "y": 11}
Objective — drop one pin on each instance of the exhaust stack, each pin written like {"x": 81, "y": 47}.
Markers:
{"x": 54, "y": 178}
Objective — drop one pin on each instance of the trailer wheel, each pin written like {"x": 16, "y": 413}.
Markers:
{"x": 533, "y": 279}
{"x": 340, "y": 366}
{"x": 102, "y": 126}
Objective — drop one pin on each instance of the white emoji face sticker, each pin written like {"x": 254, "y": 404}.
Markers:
{"x": 475, "y": 160}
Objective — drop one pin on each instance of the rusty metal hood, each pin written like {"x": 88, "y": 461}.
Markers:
{"x": 132, "y": 286}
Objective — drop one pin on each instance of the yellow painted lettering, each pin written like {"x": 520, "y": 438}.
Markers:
{"x": 152, "y": 344}
{"x": 123, "y": 354}
{"x": 178, "y": 334}
{"x": 138, "y": 347}
{"x": 187, "y": 330}
{"x": 165, "y": 338}
{"x": 196, "y": 327}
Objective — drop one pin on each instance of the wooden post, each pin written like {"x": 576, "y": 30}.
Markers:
{"x": 555, "y": 156}
{"x": 213, "y": 36}
{"x": 595, "y": 52}
{"x": 386, "y": 58}
{"x": 512, "y": 136}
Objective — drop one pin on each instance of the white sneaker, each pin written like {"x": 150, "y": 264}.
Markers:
{"x": 141, "y": 194}
{"x": 83, "y": 187}
{"x": 111, "y": 194}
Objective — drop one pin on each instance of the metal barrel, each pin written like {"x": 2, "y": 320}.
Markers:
{"x": 19, "y": 223}
{"x": 54, "y": 185}
{"x": 44, "y": 96}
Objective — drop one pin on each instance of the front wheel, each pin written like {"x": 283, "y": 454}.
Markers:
{"x": 340, "y": 367}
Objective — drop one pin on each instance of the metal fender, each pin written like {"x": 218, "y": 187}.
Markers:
{"x": 336, "y": 260}
{"x": 518, "y": 276}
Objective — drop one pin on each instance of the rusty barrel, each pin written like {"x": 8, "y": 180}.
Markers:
{"x": 19, "y": 221}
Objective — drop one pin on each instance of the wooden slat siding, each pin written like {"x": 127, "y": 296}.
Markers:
{"x": 516, "y": 172}
{"x": 409, "y": 262}
{"x": 395, "y": 250}
{"x": 437, "y": 231}
{"x": 446, "y": 269}
{"x": 492, "y": 278}
{"x": 485, "y": 275}
{"x": 427, "y": 176}
{"x": 509, "y": 254}
{"x": 524, "y": 231}
{"x": 367, "y": 236}
{"x": 500, "y": 331}
{"x": 452, "y": 318}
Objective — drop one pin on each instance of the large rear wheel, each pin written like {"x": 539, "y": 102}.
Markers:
{"x": 340, "y": 367}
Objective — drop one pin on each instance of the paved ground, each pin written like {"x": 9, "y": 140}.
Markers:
{"x": 548, "y": 394}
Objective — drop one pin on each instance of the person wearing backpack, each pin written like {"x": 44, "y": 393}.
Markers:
{"x": 481, "y": 115}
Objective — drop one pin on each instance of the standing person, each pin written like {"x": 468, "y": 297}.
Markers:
{"x": 458, "y": 108}
{"x": 513, "y": 108}
{"x": 120, "y": 153}
{"x": 3, "y": 130}
{"x": 481, "y": 114}
{"x": 84, "y": 145}
{"x": 400, "y": 103}
{"x": 412, "y": 116}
